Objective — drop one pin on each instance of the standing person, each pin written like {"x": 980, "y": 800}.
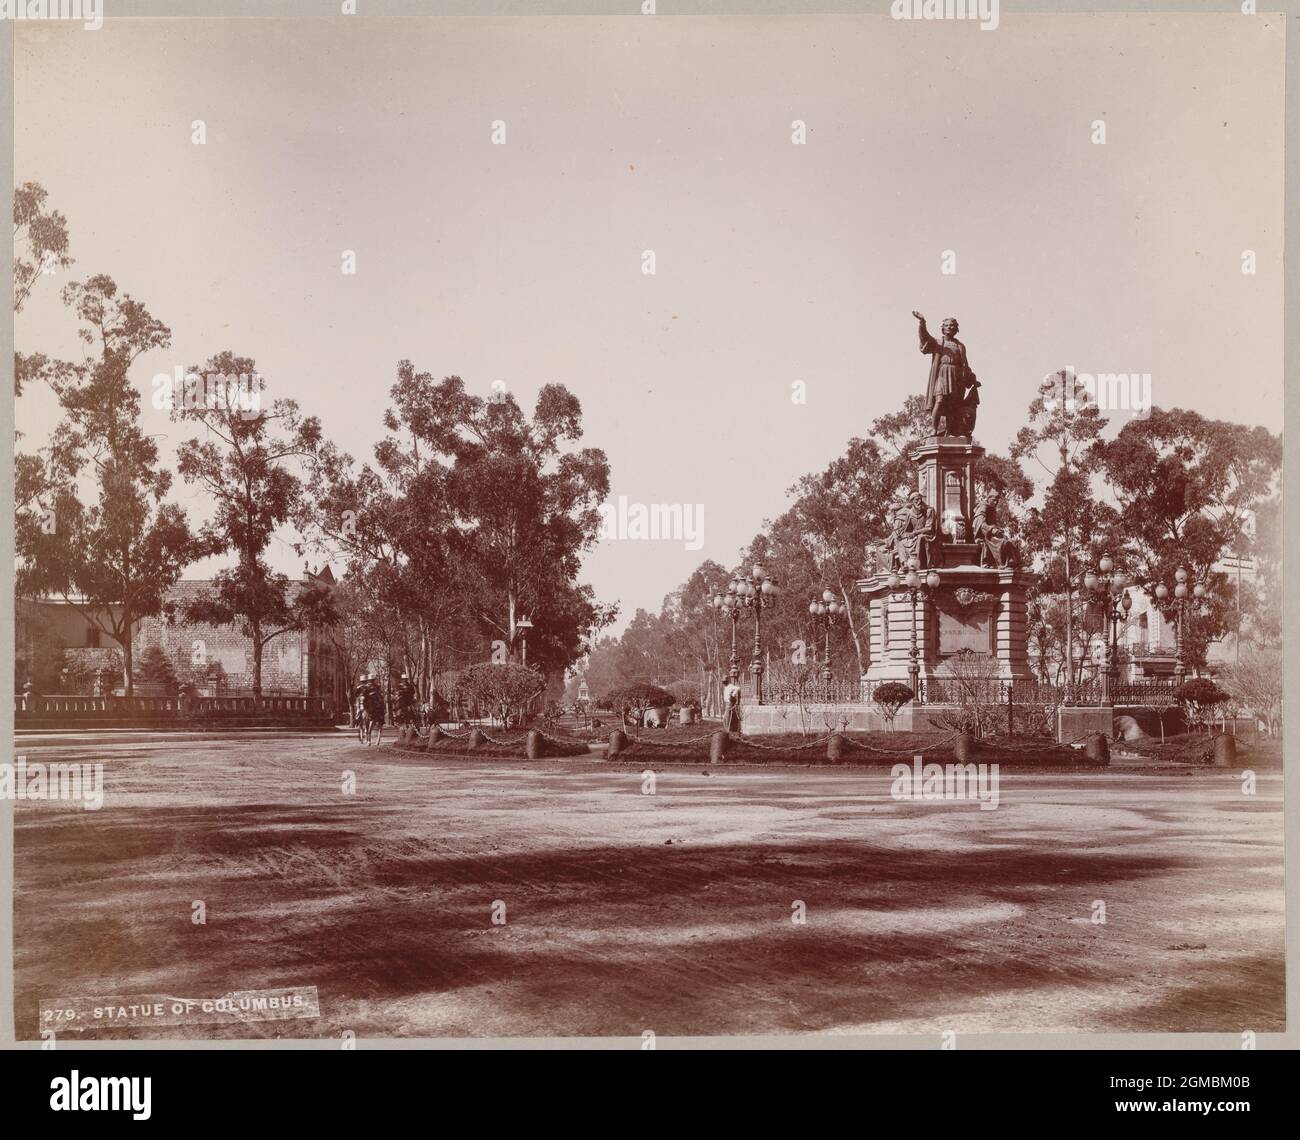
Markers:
{"x": 731, "y": 705}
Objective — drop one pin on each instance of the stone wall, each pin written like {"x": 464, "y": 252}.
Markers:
{"x": 192, "y": 648}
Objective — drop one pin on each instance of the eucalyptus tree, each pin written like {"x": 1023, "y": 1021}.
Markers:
{"x": 104, "y": 538}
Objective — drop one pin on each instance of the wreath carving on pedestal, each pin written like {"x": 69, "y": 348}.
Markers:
{"x": 967, "y": 597}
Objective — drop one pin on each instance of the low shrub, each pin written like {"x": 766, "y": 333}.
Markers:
{"x": 632, "y": 702}
{"x": 891, "y": 696}
{"x": 1199, "y": 696}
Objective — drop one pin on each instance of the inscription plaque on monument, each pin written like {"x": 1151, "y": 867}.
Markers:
{"x": 968, "y": 627}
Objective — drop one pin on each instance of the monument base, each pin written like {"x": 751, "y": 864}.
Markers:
{"x": 980, "y": 609}
{"x": 977, "y": 606}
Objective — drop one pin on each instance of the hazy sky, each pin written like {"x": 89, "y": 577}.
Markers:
{"x": 775, "y": 263}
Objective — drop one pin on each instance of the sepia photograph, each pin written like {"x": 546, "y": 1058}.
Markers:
{"x": 647, "y": 528}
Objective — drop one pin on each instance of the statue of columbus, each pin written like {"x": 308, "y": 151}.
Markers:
{"x": 952, "y": 394}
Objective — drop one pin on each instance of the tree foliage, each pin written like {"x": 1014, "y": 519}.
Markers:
{"x": 156, "y": 667}
{"x": 1072, "y": 530}
{"x": 115, "y": 556}
{"x": 1255, "y": 681}
{"x": 504, "y": 691}
{"x": 1186, "y": 488}
{"x": 1199, "y": 696}
{"x": 40, "y": 242}
{"x": 245, "y": 461}
{"x": 632, "y": 702}
{"x": 472, "y": 516}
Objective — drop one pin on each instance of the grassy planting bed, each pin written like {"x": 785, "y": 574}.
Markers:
{"x": 690, "y": 744}
{"x": 501, "y": 744}
{"x": 1196, "y": 748}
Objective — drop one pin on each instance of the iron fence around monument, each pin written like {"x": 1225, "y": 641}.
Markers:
{"x": 1002, "y": 691}
{"x": 1021, "y": 691}
{"x": 941, "y": 691}
{"x": 817, "y": 692}
{"x": 1144, "y": 694}
{"x": 946, "y": 691}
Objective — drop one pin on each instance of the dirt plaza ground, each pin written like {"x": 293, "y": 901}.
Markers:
{"x": 625, "y": 912}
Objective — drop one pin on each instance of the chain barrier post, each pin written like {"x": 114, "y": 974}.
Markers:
{"x": 717, "y": 747}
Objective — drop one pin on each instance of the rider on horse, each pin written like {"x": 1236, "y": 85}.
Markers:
{"x": 372, "y": 700}
{"x": 405, "y": 700}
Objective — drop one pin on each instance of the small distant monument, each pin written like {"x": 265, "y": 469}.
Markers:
{"x": 944, "y": 528}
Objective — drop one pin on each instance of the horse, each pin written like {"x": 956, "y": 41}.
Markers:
{"x": 370, "y": 719}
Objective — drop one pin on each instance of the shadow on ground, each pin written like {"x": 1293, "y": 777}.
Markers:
{"x": 682, "y": 938}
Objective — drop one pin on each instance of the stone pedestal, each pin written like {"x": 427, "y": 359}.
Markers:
{"x": 980, "y": 608}
{"x": 974, "y": 608}
{"x": 945, "y": 476}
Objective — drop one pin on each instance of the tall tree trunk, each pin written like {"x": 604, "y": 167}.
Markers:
{"x": 128, "y": 682}
{"x": 853, "y": 629}
{"x": 1069, "y": 624}
{"x": 422, "y": 669}
{"x": 258, "y": 646}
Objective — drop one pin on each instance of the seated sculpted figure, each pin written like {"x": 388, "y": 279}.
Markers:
{"x": 895, "y": 554}
{"x": 996, "y": 549}
{"x": 922, "y": 536}
{"x": 886, "y": 553}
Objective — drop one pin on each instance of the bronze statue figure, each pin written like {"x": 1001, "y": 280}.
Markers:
{"x": 952, "y": 393}
{"x": 922, "y": 536}
{"x": 996, "y": 549}
{"x": 892, "y": 550}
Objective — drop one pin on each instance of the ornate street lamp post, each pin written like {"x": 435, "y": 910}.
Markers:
{"x": 1181, "y": 591}
{"x": 1109, "y": 585}
{"x": 826, "y": 610}
{"x": 758, "y": 594}
{"x": 729, "y": 604}
{"x": 915, "y": 583}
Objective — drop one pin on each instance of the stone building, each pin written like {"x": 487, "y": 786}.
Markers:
{"x": 60, "y": 647}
